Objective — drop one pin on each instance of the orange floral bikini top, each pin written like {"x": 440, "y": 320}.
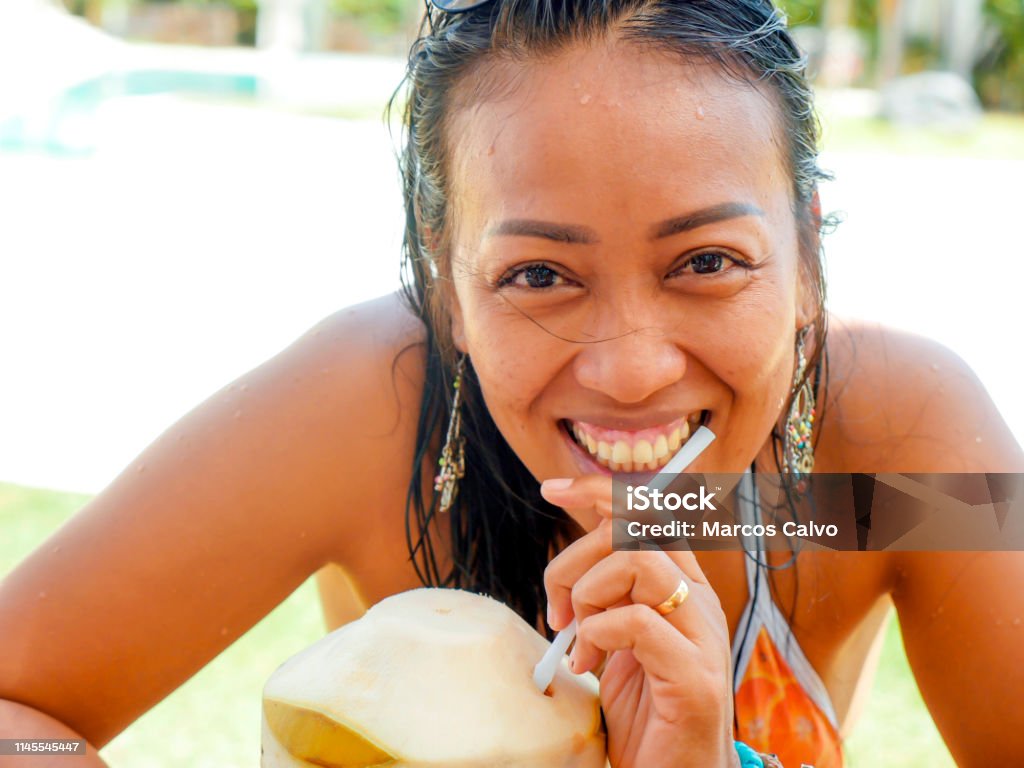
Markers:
{"x": 781, "y": 704}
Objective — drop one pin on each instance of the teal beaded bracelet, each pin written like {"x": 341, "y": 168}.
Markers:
{"x": 748, "y": 757}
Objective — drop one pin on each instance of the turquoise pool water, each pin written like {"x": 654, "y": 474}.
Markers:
{"x": 60, "y": 130}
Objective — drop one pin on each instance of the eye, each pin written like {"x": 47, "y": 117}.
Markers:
{"x": 534, "y": 276}
{"x": 707, "y": 263}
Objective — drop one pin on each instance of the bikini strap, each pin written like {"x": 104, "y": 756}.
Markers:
{"x": 761, "y": 610}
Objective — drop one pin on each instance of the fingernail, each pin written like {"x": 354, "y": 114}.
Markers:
{"x": 556, "y": 484}
{"x": 549, "y": 616}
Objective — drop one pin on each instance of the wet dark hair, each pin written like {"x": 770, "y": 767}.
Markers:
{"x": 502, "y": 532}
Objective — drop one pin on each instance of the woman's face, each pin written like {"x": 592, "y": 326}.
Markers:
{"x": 624, "y": 259}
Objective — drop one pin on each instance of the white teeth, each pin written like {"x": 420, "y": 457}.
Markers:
{"x": 660, "y": 448}
{"x": 621, "y": 452}
{"x": 620, "y": 456}
{"x": 642, "y": 452}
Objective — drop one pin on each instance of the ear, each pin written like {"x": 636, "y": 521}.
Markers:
{"x": 447, "y": 290}
{"x": 806, "y": 302}
{"x": 806, "y": 306}
{"x": 816, "y": 211}
{"x": 428, "y": 238}
{"x": 458, "y": 320}
{"x": 458, "y": 324}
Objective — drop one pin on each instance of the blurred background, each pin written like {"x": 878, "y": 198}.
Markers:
{"x": 188, "y": 185}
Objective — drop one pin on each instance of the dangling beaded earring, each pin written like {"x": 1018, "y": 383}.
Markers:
{"x": 798, "y": 450}
{"x": 451, "y": 466}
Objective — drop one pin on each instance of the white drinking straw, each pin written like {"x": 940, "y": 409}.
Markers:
{"x": 546, "y": 668}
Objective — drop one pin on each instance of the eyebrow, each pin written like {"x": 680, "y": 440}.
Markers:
{"x": 703, "y": 217}
{"x": 578, "y": 234}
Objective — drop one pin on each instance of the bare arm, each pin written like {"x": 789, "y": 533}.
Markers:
{"x": 961, "y": 613}
{"x": 218, "y": 521}
{"x": 22, "y": 722}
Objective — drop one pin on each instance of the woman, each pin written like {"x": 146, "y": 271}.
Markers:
{"x": 612, "y": 236}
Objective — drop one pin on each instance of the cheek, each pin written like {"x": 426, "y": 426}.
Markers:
{"x": 752, "y": 355}
{"x": 512, "y": 364}
{"x": 755, "y": 336}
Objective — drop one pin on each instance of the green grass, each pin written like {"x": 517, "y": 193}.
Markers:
{"x": 996, "y": 136}
{"x": 213, "y": 720}
{"x": 896, "y": 729}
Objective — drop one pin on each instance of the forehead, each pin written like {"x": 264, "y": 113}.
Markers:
{"x": 610, "y": 129}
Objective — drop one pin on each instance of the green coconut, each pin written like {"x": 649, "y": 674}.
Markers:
{"x": 429, "y": 677}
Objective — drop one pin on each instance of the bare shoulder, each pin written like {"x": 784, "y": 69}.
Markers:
{"x": 902, "y": 403}
{"x": 352, "y": 385}
{"x": 215, "y": 523}
{"x": 905, "y": 403}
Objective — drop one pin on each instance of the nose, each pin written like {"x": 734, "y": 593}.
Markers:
{"x": 632, "y": 366}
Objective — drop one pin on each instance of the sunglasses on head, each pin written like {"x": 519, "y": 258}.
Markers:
{"x": 457, "y": 6}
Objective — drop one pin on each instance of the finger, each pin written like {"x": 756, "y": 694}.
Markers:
{"x": 646, "y": 577}
{"x": 586, "y": 498}
{"x": 593, "y": 494}
{"x": 686, "y": 561}
{"x": 664, "y": 652}
{"x": 567, "y": 568}
{"x": 701, "y": 592}
{"x": 650, "y": 580}
{"x": 700, "y": 589}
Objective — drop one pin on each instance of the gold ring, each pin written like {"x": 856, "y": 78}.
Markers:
{"x": 675, "y": 599}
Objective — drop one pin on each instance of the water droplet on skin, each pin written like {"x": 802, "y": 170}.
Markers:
{"x": 700, "y": 113}
{"x": 244, "y": 387}
{"x": 56, "y": 550}
{"x": 584, "y": 98}
{"x": 238, "y": 414}
{"x": 223, "y": 630}
{"x": 935, "y": 366}
{"x": 1016, "y": 622}
{"x": 576, "y": 85}
{"x": 490, "y": 150}
{"x": 42, "y": 595}
{"x": 325, "y": 370}
{"x": 977, "y": 439}
{"x": 140, "y": 468}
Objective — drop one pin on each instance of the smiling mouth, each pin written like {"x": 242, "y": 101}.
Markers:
{"x": 625, "y": 451}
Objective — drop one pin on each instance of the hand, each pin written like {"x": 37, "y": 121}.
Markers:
{"x": 666, "y": 689}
